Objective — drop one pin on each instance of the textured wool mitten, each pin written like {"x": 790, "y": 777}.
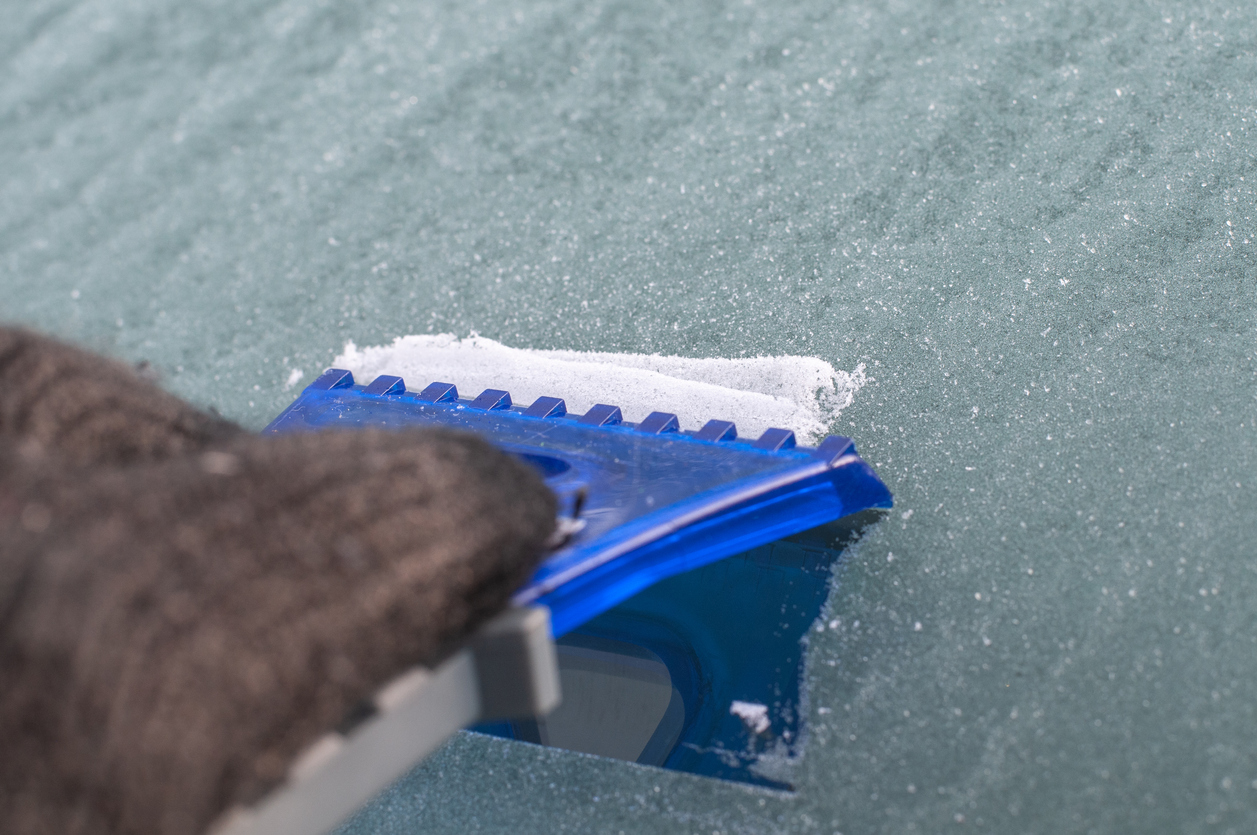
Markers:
{"x": 93, "y": 410}
{"x": 184, "y": 607}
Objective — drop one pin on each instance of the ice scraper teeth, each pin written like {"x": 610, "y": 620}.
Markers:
{"x": 654, "y": 499}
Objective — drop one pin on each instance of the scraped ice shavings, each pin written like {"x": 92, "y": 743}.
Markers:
{"x": 752, "y": 714}
{"x": 803, "y": 394}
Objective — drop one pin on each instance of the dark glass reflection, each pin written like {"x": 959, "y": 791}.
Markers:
{"x": 653, "y": 680}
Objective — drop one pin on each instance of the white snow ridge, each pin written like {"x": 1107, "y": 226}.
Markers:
{"x": 804, "y": 394}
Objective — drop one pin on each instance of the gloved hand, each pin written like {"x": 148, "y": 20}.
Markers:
{"x": 184, "y": 606}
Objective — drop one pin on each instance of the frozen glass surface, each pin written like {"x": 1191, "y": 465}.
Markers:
{"x": 1032, "y": 222}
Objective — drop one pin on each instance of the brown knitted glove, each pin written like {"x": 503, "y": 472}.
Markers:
{"x": 174, "y": 632}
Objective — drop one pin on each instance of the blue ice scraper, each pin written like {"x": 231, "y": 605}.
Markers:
{"x": 688, "y": 567}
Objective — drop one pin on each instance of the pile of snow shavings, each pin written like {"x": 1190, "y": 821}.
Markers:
{"x": 804, "y": 394}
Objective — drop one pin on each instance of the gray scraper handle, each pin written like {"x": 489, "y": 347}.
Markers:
{"x": 508, "y": 671}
